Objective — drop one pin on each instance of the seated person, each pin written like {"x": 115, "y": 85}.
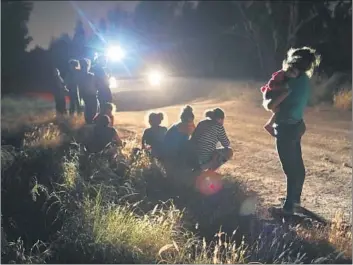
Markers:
{"x": 107, "y": 109}
{"x": 205, "y": 138}
{"x": 153, "y": 137}
{"x": 102, "y": 135}
{"x": 178, "y": 135}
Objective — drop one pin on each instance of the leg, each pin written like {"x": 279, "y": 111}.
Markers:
{"x": 72, "y": 105}
{"x": 90, "y": 109}
{"x": 220, "y": 156}
{"x": 286, "y": 152}
{"x": 300, "y": 173}
{"x": 269, "y": 125}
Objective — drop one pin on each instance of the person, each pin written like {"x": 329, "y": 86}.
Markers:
{"x": 153, "y": 137}
{"x": 109, "y": 110}
{"x": 102, "y": 135}
{"x": 289, "y": 125}
{"x": 102, "y": 80}
{"x": 71, "y": 81}
{"x": 205, "y": 138}
{"x": 59, "y": 93}
{"x": 88, "y": 90}
{"x": 177, "y": 136}
{"x": 277, "y": 87}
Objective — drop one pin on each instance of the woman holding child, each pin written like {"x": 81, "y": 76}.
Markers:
{"x": 287, "y": 95}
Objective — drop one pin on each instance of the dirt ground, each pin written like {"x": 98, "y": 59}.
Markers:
{"x": 326, "y": 144}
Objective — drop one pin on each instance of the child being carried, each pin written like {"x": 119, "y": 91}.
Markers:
{"x": 277, "y": 89}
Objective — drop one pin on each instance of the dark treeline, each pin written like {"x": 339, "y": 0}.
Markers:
{"x": 235, "y": 39}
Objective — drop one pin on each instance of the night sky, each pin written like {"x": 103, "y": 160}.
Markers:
{"x": 53, "y": 18}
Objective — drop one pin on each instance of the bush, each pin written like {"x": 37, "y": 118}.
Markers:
{"x": 343, "y": 100}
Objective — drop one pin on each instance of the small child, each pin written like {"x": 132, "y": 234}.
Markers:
{"x": 154, "y": 136}
{"x": 277, "y": 86}
{"x": 107, "y": 109}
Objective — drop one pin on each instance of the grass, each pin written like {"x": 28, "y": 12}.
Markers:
{"x": 343, "y": 99}
{"x": 63, "y": 205}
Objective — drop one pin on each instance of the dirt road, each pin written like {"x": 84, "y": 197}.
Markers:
{"x": 326, "y": 146}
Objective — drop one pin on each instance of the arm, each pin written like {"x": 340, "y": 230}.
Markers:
{"x": 223, "y": 138}
{"x": 272, "y": 104}
{"x": 117, "y": 139}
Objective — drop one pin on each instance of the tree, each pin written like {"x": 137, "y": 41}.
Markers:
{"x": 14, "y": 18}
{"x": 79, "y": 41}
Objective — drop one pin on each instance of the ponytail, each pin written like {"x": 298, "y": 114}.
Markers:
{"x": 187, "y": 114}
{"x": 215, "y": 114}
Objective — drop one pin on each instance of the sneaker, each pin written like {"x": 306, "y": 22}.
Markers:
{"x": 280, "y": 211}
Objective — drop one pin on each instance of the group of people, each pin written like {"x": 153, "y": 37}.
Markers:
{"x": 286, "y": 95}
{"x": 83, "y": 83}
{"x": 190, "y": 145}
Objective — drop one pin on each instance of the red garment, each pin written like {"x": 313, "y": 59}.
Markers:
{"x": 275, "y": 82}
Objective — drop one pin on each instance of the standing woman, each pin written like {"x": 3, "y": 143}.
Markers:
{"x": 88, "y": 90}
{"x": 289, "y": 124}
{"x": 102, "y": 80}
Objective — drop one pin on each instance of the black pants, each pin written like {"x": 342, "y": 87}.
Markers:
{"x": 60, "y": 104}
{"x": 91, "y": 108}
{"x": 288, "y": 142}
{"x": 75, "y": 104}
{"x": 105, "y": 96}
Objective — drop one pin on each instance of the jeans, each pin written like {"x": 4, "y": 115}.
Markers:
{"x": 288, "y": 143}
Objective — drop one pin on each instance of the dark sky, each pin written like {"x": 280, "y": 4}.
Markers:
{"x": 52, "y": 18}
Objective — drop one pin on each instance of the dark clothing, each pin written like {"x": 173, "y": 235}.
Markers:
{"x": 88, "y": 91}
{"x": 288, "y": 143}
{"x": 102, "y": 136}
{"x": 174, "y": 141}
{"x": 91, "y": 108}
{"x": 154, "y": 137}
{"x": 102, "y": 81}
{"x": 59, "y": 95}
{"x": 72, "y": 83}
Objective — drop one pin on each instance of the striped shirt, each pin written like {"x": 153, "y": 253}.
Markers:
{"x": 205, "y": 138}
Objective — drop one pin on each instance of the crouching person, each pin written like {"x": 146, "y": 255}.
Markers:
{"x": 205, "y": 138}
{"x": 102, "y": 136}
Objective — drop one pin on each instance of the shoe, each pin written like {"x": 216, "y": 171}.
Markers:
{"x": 280, "y": 211}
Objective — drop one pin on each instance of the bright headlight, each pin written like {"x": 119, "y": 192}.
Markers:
{"x": 115, "y": 53}
{"x": 155, "y": 77}
{"x": 113, "y": 83}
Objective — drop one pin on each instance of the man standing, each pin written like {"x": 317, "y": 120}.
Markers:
{"x": 71, "y": 81}
{"x": 102, "y": 80}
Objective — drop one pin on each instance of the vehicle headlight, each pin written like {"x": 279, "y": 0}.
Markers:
{"x": 155, "y": 78}
{"x": 112, "y": 82}
{"x": 115, "y": 53}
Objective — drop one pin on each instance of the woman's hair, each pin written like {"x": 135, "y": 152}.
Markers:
{"x": 85, "y": 64}
{"x": 215, "y": 114}
{"x": 155, "y": 119}
{"x": 108, "y": 107}
{"x": 74, "y": 64}
{"x": 187, "y": 114}
{"x": 103, "y": 121}
{"x": 305, "y": 59}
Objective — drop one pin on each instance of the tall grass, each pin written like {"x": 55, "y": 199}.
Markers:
{"x": 64, "y": 205}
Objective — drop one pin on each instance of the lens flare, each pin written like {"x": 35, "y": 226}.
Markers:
{"x": 209, "y": 183}
{"x": 115, "y": 53}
